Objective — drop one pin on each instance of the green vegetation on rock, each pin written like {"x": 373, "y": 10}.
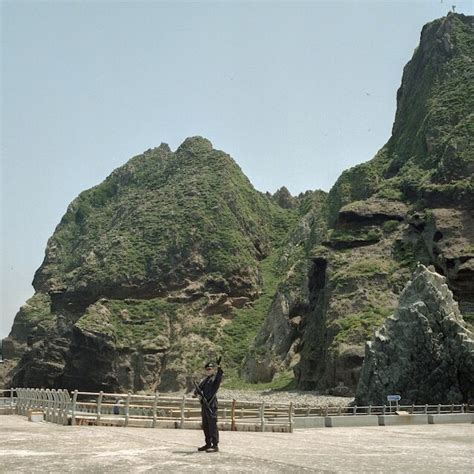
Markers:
{"x": 162, "y": 218}
{"x": 364, "y": 268}
{"x": 130, "y": 323}
{"x": 358, "y": 328}
{"x": 34, "y": 314}
{"x": 239, "y": 333}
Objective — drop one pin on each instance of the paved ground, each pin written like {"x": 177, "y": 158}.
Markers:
{"x": 46, "y": 447}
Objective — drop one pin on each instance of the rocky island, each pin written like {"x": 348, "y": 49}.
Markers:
{"x": 175, "y": 258}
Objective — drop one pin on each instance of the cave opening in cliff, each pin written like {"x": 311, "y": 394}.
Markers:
{"x": 317, "y": 279}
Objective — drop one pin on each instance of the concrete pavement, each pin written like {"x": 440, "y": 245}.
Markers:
{"x": 45, "y": 447}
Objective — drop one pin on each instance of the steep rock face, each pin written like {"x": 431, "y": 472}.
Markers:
{"x": 411, "y": 203}
{"x": 148, "y": 274}
{"x": 353, "y": 284}
{"x": 424, "y": 352}
{"x": 276, "y": 346}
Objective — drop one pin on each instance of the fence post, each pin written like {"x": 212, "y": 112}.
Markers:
{"x": 462, "y": 407}
{"x": 262, "y": 417}
{"x": 290, "y": 417}
{"x": 57, "y": 404}
{"x": 369, "y": 412}
{"x": 127, "y": 409}
{"x": 35, "y": 399}
{"x": 412, "y": 408}
{"x": 11, "y": 400}
{"x": 155, "y": 403}
{"x": 31, "y": 399}
{"x": 49, "y": 406}
{"x": 183, "y": 402}
{"x": 233, "y": 427}
{"x": 23, "y": 396}
{"x": 66, "y": 400}
{"x": 73, "y": 408}
{"x": 99, "y": 406}
{"x": 439, "y": 408}
{"x": 24, "y": 402}
{"x": 383, "y": 410}
{"x": 452, "y": 407}
{"x": 18, "y": 401}
{"x": 21, "y": 401}
{"x": 53, "y": 405}
{"x": 354, "y": 410}
{"x": 28, "y": 400}
{"x": 45, "y": 401}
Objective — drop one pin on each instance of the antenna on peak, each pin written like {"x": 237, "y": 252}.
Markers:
{"x": 454, "y": 8}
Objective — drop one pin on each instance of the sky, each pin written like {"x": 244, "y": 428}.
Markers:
{"x": 295, "y": 92}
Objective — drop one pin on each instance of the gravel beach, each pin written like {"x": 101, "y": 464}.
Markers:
{"x": 298, "y": 397}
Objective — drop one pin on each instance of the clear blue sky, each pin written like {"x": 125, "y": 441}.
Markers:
{"x": 294, "y": 92}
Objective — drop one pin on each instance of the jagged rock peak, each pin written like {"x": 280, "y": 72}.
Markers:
{"x": 195, "y": 144}
{"x": 424, "y": 352}
{"x": 437, "y": 36}
{"x": 284, "y": 198}
{"x": 163, "y": 148}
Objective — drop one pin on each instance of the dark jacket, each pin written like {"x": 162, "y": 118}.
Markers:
{"x": 209, "y": 387}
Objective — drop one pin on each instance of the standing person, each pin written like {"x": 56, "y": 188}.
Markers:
{"x": 206, "y": 391}
{"x": 117, "y": 405}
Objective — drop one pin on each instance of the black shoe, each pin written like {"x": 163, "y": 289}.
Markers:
{"x": 212, "y": 449}
{"x": 204, "y": 448}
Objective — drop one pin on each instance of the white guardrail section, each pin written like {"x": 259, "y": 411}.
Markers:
{"x": 55, "y": 404}
{"x": 156, "y": 410}
{"x": 382, "y": 410}
{"x": 59, "y": 406}
{"x": 7, "y": 401}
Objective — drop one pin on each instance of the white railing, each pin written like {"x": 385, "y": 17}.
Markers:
{"x": 55, "y": 404}
{"x": 59, "y": 406}
{"x": 119, "y": 409}
{"x": 177, "y": 412}
{"x": 7, "y": 400}
{"x": 382, "y": 410}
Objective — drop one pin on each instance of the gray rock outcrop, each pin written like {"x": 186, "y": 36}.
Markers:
{"x": 424, "y": 352}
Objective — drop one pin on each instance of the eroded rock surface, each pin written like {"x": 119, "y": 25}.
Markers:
{"x": 424, "y": 352}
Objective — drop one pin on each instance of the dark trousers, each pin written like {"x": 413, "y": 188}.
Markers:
{"x": 209, "y": 425}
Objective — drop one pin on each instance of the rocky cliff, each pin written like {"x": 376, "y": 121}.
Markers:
{"x": 150, "y": 273}
{"x": 424, "y": 351}
{"x": 411, "y": 203}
